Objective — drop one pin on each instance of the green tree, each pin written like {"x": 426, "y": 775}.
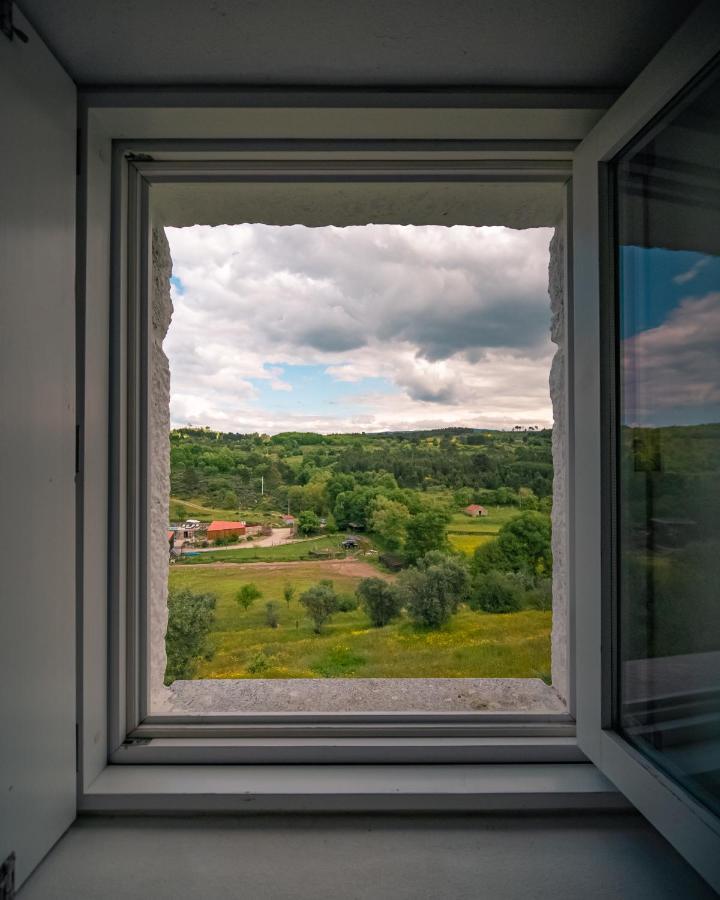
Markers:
{"x": 389, "y": 519}
{"x": 495, "y": 592}
{"x": 320, "y": 602}
{"x": 288, "y": 592}
{"x": 247, "y": 595}
{"x": 382, "y": 601}
{"x": 308, "y": 522}
{"x": 190, "y": 619}
{"x": 426, "y": 532}
{"x": 525, "y": 542}
{"x": 434, "y": 589}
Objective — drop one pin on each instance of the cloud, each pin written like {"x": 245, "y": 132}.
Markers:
{"x": 455, "y": 320}
{"x": 693, "y": 271}
{"x": 671, "y": 372}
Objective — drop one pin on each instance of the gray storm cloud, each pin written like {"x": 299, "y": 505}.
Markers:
{"x": 456, "y": 319}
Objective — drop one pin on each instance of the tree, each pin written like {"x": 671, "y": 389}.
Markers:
{"x": 180, "y": 512}
{"x": 247, "y": 595}
{"x": 190, "y": 618}
{"x": 288, "y": 592}
{"x": 353, "y": 506}
{"x": 434, "y": 589}
{"x": 525, "y": 542}
{"x": 389, "y": 520}
{"x": 320, "y": 601}
{"x": 425, "y": 532}
{"x": 382, "y": 601}
{"x": 496, "y": 593}
{"x": 308, "y": 522}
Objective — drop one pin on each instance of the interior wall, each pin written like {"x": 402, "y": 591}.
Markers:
{"x": 37, "y": 450}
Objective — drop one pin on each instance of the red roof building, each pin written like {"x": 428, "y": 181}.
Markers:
{"x": 474, "y": 510}
{"x": 225, "y": 530}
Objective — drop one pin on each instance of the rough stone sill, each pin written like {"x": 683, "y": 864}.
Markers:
{"x": 223, "y": 695}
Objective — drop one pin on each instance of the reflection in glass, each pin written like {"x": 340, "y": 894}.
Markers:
{"x": 668, "y": 204}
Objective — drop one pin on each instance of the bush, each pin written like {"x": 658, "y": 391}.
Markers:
{"x": 382, "y": 601}
{"x": 271, "y": 618}
{"x": 494, "y": 592}
{"x": 320, "y": 601}
{"x": 346, "y": 603}
{"x": 540, "y": 596}
{"x": 433, "y": 590}
{"x": 338, "y": 662}
{"x": 247, "y": 595}
{"x": 190, "y": 618}
{"x": 288, "y": 592}
{"x": 258, "y": 662}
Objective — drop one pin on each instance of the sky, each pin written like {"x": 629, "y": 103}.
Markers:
{"x": 365, "y": 328}
{"x": 670, "y": 337}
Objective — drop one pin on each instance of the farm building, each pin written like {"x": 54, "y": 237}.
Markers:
{"x": 474, "y": 510}
{"x": 224, "y": 530}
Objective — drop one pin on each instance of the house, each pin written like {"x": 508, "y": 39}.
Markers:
{"x": 220, "y": 530}
{"x": 289, "y": 521}
{"x": 475, "y": 510}
{"x": 171, "y": 539}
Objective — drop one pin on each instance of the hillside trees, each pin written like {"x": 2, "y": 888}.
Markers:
{"x": 389, "y": 520}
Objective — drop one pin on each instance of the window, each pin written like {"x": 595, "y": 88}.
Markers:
{"x": 356, "y": 411}
{"x": 668, "y": 187}
{"x": 157, "y": 199}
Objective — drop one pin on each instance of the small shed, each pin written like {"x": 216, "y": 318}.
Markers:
{"x": 474, "y": 510}
{"x": 223, "y": 530}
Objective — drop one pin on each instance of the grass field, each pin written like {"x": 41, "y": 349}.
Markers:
{"x": 297, "y": 550}
{"x": 467, "y": 534}
{"x": 471, "y": 645}
{"x": 468, "y": 543}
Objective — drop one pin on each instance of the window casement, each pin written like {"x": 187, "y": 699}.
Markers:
{"x": 173, "y": 180}
{"x": 517, "y": 147}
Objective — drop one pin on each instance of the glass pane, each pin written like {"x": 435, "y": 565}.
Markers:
{"x": 668, "y": 191}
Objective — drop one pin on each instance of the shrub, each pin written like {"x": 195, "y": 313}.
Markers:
{"x": 271, "y": 619}
{"x": 320, "y": 601}
{"x": 247, "y": 595}
{"x": 346, "y": 603}
{"x": 258, "y": 662}
{"x": 434, "y": 589}
{"x": 190, "y": 618}
{"x": 540, "y": 596}
{"x": 382, "y": 601}
{"x": 494, "y": 592}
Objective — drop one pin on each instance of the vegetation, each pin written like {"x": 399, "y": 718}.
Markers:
{"x": 472, "y": 644}
{"x": 320, "y": 602}
{"x": 402, "y": 496}
{"x": 190, "y": 619}
{"x": 381, "y": 601}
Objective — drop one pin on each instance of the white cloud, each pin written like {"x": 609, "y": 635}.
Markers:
{"x": 455, "y": 320}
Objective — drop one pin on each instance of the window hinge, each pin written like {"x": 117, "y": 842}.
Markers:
{"x": 136, "y": 742}
{"x": 139, "y": 157}
{"x": 8, "y": 28}
{"x": 7, "y": 877}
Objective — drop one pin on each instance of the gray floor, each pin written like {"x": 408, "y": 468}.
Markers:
{"x": 347, "y": 858}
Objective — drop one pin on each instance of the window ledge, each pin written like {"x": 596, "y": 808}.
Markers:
{"x": 369, "y": 788}
{"x": 324, "y": 695}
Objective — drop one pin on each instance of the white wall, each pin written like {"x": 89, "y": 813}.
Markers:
{"x": 37, "y": 450}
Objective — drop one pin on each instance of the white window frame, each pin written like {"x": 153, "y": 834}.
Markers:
{"x": 692, "y": 829}
{"x": 548, "y": 769}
